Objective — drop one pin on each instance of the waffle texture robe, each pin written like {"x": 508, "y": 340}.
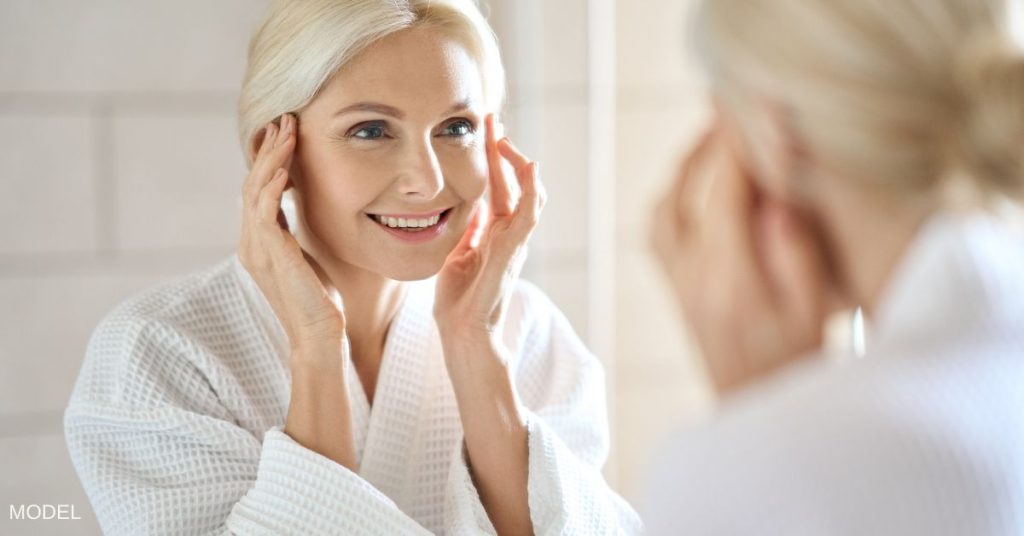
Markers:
{"x": 175, "y": 424}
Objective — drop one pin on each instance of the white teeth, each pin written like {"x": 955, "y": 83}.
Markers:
{"x": 408, "y": 223}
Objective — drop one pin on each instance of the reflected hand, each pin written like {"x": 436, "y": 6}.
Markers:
{"x": 750, "y": 278}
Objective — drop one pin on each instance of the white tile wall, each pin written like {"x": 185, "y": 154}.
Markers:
{"x": 650, "y": 321}
{"x": 44, "y": 344}
{"x": 48, "y": 170}
{"x": 563, "y": 25}
{"x": 544, "y": 45}
{"x": 558, "y": 141}
{"x": 178, "y": 180}
{"x": 652, "y": 54}
{"x": 565, "y": 282}
{"x": 113, "y": 45}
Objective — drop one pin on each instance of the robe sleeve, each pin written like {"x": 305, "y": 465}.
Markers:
{"x": 562, "y": 386}
{"x": 158, "y": 454}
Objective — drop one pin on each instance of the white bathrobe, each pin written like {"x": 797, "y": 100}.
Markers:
{"x": 175, "y": 423}
{"x": 922, "y": 436}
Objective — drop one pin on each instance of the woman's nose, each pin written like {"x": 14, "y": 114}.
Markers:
{"x": 422, "y": 176}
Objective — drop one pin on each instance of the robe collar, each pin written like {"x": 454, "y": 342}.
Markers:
{"x": 412, "y": 380}
{"x": 963, "y": 275}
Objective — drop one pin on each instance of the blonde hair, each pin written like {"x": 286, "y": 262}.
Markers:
{"x": 905, "y": 94}
{"x": 301, "y": 44}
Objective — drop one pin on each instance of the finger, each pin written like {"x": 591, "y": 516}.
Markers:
{"x": 685, "y": 201}
{"x": 293, "y": 133}
{"x": 509, "y": 152}
{"x": 731, "y": 203}
{"x": 527, "y": 175}
{"x": 796, "y": 270}
{"x": 500, "y": 195}
{"x": 270, "y": 198}
{"x": 471, "y": 237}
{"x": 528, "y": 210}
{"x": 275, "y": 158}
{"x": 507, "y": 249}
{"x": 269, "y": 144}
{"x": 253, "y": 183}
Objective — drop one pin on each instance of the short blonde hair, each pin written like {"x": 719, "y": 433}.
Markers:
{"x": 301, "y": 44}
{"x": 902, "y": 93}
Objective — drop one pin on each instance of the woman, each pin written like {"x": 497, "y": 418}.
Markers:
{"x": 324, "y": 382}
{"x": 858, "y": 157}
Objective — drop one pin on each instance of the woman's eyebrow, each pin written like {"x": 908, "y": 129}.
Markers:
{"x": 385, "y": 109}
{"x": 464, "y": 104}
{"x": 372, "y": 107}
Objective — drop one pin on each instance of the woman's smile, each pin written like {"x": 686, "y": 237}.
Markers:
{"x": 414, "y": 227}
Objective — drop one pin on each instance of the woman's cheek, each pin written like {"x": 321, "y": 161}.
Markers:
{"x": 467, "y": 174}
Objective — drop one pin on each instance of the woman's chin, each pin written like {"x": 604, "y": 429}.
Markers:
{"x": 413, "y": 271}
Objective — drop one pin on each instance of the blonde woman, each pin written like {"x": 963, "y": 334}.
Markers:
{"x": 860, "y": 152}
{"x": 323, "y": 380}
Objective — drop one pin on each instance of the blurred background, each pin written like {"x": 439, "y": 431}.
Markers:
{"x": 120, "y": 169}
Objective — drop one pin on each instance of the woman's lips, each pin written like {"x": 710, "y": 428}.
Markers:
{"x": 410, "y": 227}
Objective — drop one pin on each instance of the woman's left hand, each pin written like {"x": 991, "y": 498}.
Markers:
{"x": 748, "y": 272}
{"x": 471, "y": 297}
{"x": 478, "y": 275}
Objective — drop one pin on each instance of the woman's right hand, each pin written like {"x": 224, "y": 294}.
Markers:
{"x": 307, "y": 305}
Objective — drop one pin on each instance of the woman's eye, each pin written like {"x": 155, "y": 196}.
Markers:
{"x": 459, "y": 128}
{"x": 369, "y": 132}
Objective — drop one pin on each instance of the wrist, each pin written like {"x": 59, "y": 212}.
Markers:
{"x": 474, "y": 351}
{"x": 317, "y": 355}
{"x": 468, "y": 339}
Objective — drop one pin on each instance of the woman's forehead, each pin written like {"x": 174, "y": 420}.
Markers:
{"x": 414, "y": 71}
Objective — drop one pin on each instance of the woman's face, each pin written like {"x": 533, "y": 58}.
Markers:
{"x": 390, "y": 158}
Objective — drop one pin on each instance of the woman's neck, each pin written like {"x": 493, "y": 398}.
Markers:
{"x": 867, "y": 236}
{"x": 370, "y": 302}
